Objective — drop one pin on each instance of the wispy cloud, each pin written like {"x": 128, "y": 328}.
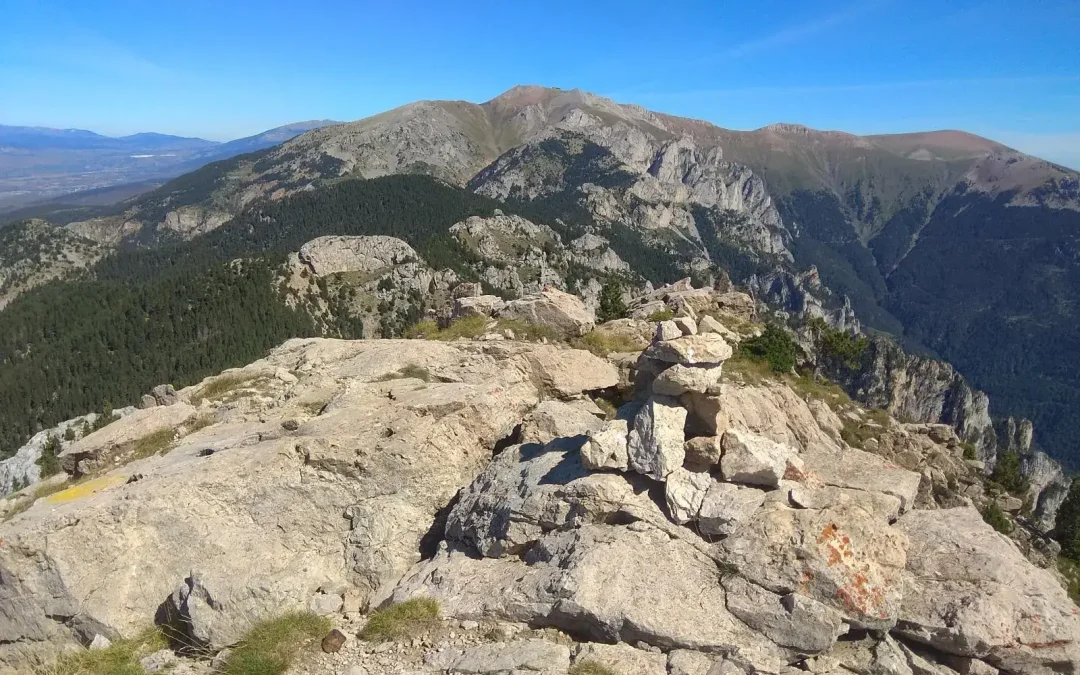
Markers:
{"x": 866, "y": 86}
{"x": 800, "y": 31}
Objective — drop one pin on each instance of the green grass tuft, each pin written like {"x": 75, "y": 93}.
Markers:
{"x": 271, "y": 646}
{"x": 404, "y": 620}
{"x": 664, "y": 314}
{"x": 121, "y": 658}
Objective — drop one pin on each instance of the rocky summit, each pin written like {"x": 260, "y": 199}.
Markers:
{"x": 672, "y": 509}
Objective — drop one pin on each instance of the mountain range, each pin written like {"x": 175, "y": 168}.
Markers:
{"x": 956, "y": 246}
{"x": 38, "y": 163}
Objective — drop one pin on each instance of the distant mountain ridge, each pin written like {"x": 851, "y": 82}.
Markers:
{"x": 39, "y": 163}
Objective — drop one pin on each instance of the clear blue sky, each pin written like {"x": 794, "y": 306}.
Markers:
{"x": 227, "y": 68}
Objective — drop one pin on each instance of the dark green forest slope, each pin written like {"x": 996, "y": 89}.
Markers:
{"x": 182, "y": 311}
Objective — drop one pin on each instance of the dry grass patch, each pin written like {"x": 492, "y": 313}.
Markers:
{"x": 40, "y": 492}
{"x": 271, "y": 646}
{"x": 404, "y": 620}
{"x": 226, "y": 388}
{"x": 410, "y": 371}
{"x": 157, "y": 443}
{"x": 121, "y": 658}
{"x": 590, "y": 667}
{"x": 603, "y": 343}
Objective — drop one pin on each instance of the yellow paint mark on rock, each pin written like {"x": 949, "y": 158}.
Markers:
{"x": 84, "y": 489}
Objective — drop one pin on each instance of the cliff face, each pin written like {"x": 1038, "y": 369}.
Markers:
{"x": 918, "y": 389}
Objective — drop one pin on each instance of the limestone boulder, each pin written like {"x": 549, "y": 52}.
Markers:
{"x": 655, "y": 445}
{"x": 562, "y": 312}
{"x": 841, "y": 556}
{"x": 566, "y": 373}
{"x": 793, "y": 620}
{"x": 479, "y": 305}
{"x": 559, "y": 419}
{"x": 703, "y": 452}
{"x": 368, "y": 255}
{"x": 854, "y": 469}
{"x": 969, "y": 591}
{"x": 679, "y": 379}
{"x": 768, "y": 409}
{"x": 726, "y": 507}
{"x": 708, "y": 348}
{"x": 755, "y": 460}
{"x": 606, "y": 448}
{"x": 684, "y": 491}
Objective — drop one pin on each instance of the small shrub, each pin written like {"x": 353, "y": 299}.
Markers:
{"x": 465, "y": 327}
{"x": 69, "y": 434}
{"x": 969, "y": 450}
{"x": 603, "y": 343}
{"x": 996, "y": 518}
{"x": 1070, "y": 570}
{"x": 403, "y": 620}
{"x": 664, "y": 314}
{"x": 1007, "y": 473}
{"x": 49, "y": 462}
{"x": 106, "y": 418}
{"x": 422, "y": 329}
{"x": 120, "y": 658}
{"x": 590, "y": 667}
{"x": 271, "y": 646}
{"x": 609, "y": 408}
{"x": 774, "y": 346}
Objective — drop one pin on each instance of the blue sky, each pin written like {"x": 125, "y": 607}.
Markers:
{"x": 228, "y": 68}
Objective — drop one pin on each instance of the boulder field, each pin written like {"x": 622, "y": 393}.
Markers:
{"x": 709, "y": 523}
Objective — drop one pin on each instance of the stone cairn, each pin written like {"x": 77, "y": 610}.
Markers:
{"x": 686, "y": 358}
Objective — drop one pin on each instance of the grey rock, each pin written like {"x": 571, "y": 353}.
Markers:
{"x": 687, "y": 662}
{"x": 564, "y": 313}
{"x": 679, "y": 379}
{"x": 686, "y": 325}
{"x": 791, "y": 620}
{"x": 708, "y": 348}
{"x": 160, "y": 661}
{"x": 503, "y": 658}
{"x": 556, "y": 419}
{"x": 622, "y": 658}
{"x": 367, "y": 255}
{"x": 703, "y": 452}
{"x": 970, "y": 592}
{"x": 606, "y": 448}
{"x": 684, "y": 492}
{"x": 726, "y": 507}
{"x": 325, "y": 604}
{"x": 667, "y": 330}
{"x": 756, "y": 460}
{"x": 100, "y": 642}
{"x": 481, "y": 305}
{"x": 655, "y": 446}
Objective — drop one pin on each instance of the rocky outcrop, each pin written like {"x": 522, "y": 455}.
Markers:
{"x": 731, "y": 530}
{"x": 318, "y": 430}
{"x": 364, "y": 255}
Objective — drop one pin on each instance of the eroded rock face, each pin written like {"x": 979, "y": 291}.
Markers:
{"x": 262, "y": 502}
{"x": 968, "y": 591}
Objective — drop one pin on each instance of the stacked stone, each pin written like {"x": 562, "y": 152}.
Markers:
{"x": 716, "y": 481}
